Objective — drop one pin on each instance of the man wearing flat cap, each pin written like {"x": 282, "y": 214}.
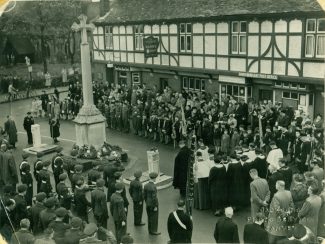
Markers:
{"x": 180, "y": 225}
{"x": 28, "y": 122}
{"x": 80, "y": 201}
{"x": 35, "y": 211}
{"x": 58, "y": 226}
{"x": 118, "y": 211}
{"x": 73, "y": 235}
{"x": 48, "y": 214}
{"x": 63, "y": 192}
{"x": 44, "y": 176}
{"x": 151, "y": 199}
{"x": 99, "y": 204}
{"x": 136, "y": 193}
{"x": 90, "y": 232}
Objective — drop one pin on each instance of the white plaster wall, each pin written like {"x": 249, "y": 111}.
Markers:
{"x": 164, "y": 29}
{"x": 115, "y": 29}
{"x": 279, "y": 67}
{"x": 237, "y": 64}
{"x": 253, "y": 46}
{"x": 185, "y": 60}
{"x": 210, "y": 62}
{"x": 156, "y": 60}
{"x": 122, "y": 29}
{"x": 129, "y": 29}
{"x": 265, "y": 42}
{"x": 165, "y": 60}
{"x": 100, "y": 30}
{"x": 292, "y": 71}
{"x": 131, "y": 57}
{"x": 198, "y": 44}
{"x": 95, "y": 31}
{"x": 295, "y": 47}
{"x": 123, "y": 43}
{"x": 130, "y": 43}
{"x": 173, "y": 44}
{"x": 314, "y": 70}
{"x": 222, "y": 44}
{"x": 253, "y": 27}
{"x": 116, "y": 43}
{"x": 123, "y": 57}
{"x": 109, "y": 56}
{"x": 210, "y": 28}
{"x": 139, "y": 58}
{"x": 197, "y": 28}
{"x": 101, "y": 42}
{"x": 222, "y": 27}
{"x": 117, "y": 56}
{"x": 95, "y": 42}
{"x": 173, "y": 62}
{"x": 164, "y": 40}
{"x": 280, "y": 26}
{"x": 254, "y": 67}
{"x": 198, "y": 62}
{"x": 266, "y": 66}
{"x": 282, "y": 44}
{"x": 147, "y": 29}
{"x": 266, "y": 27}
{"x": 210, "y": 45}
{"x": 295, "y": 26}
{"x": 222, "y": 63}
{"x": 155, "y": 29}
{"x": 173, "y": 29}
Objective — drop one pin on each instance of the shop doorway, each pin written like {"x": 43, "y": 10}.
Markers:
{"x": 110, "y": 75}
{"x": 163, "y": 84}
{"x": 265, "y": 95}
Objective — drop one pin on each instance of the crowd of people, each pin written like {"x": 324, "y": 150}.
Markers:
{"x": 262, "y": 155}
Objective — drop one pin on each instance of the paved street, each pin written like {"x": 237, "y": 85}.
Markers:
{"x": 204, "y": 221}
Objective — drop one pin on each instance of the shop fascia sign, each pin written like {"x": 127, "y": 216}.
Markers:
{"x": 256, "y": 75}
{"x": 150, "y": 45}
{"x": 121, "y": 68}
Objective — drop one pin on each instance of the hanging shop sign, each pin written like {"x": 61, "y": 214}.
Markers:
{"x": 121, "y": 68}
{"x": 150, "y": 45}
{"x": 256, "y": 75}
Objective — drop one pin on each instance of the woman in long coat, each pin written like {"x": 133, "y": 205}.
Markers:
{"x": 11, "y": 130}
{"x": 218, "y": 187}
{"x": 55, "y": 129}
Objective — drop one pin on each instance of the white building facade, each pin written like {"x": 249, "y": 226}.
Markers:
{"x": 277, "y": 57}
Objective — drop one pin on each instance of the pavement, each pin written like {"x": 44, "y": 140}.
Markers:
{"x": 203, "y": 221}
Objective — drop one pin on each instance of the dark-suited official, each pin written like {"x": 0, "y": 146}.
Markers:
{"x": 99, "y": 204}
{"x": 151, "y": 199}
{"x": 254, "y": 232}
{"x": 28, "y": 122}
{"x": 226, "y": 230}
{"x": 136, "y": 193}
{"x": 118, "y": 211}
{"x": 179, "y": 225}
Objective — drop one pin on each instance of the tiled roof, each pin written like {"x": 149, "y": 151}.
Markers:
{"x": 154, "y": 10}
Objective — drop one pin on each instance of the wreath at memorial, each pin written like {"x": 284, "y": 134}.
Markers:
{"x": 90, "y": 152}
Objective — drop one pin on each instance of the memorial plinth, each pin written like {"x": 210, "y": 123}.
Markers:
{"x": 90, "y": 127}
{"x": 38, "y": 147}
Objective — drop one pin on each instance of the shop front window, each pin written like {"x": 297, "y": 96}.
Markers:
{"x": 122, "y": 78}
{"x": 193, "y": 84}
{"x": 236, "y": 91}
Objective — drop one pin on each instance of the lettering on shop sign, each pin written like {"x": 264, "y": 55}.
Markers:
{"x": 121, "y": 68}
{"x": 261, "y": 76}
{"x": 150, "y": 45}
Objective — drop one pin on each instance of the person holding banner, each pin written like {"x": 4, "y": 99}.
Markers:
{"x": 179, "y": 225}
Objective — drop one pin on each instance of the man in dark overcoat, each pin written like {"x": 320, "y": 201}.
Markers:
{"x": 28, "y": 122}
{"x": 35, "y": 211}
{"x": 8, "y": 170}
{"x": 99, "y": 204}
{"x": 151, "y": 199}
{"x": 180, "y": 225}
{"x": 181, "y": 167}
{"x": 11, "y": 130}
{"x": 254, "y": 232}
{"x": 136, "y": 193}
{"x": 226, "y": 231}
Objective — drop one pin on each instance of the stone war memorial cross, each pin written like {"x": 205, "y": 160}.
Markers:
{"x": 90, "y": 123}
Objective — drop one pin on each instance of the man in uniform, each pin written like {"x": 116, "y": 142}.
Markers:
{"x": 27, "y": 179}
{"x": 21, "y": 205}
{"x": 28, "y": 122}
{"x": 24, "y": 156}
{"x": 151, "y": 199}
{"x": 48, "y": 214}
{"x": 37, "y": 167}
{"x": 57, "y": 166}
{"x": 180, "y": 225}
{"x": 80, "y": 201}
{"x": 44, "y": 176}
{"x": 118, "y": 211}
{"x": 64, "y": 195}
{"x": 99, "y": 204}
{"x": 35, "y": 213}
{"x": 136, "y": 193}
{"x": 118, "y": 179}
